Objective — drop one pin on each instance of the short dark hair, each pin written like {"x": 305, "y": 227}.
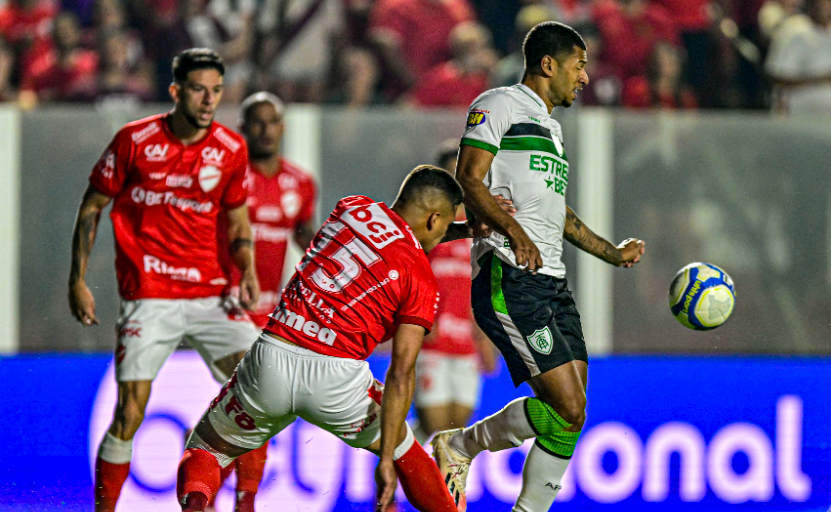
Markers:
{"x": 195, "y": 59}
{"x": 427, "y": 179}
{"x": 549, "y": 38}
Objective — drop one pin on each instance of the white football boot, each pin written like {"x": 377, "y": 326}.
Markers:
{"x": 453, "y": 466}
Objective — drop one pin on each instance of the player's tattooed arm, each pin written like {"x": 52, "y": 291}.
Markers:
{"x": 81, "y": 301}
{"x": 242, "y": 255}
{"x": 578, "y": 234}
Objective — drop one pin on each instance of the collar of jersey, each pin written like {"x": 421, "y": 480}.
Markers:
{"x": 531, "y": 94}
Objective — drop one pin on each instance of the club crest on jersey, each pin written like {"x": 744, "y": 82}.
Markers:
{"x": 373, "y": 222}
{"x": 209, "y": 177}
{"x": 541, "y": 340}
{"x": 213, "y": 156}
{"x": 156, "y": 152}
{"x": 290, "y": 203}
{"x": 476, "y": 117}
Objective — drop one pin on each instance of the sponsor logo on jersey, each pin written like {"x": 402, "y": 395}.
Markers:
{"x": 150, "y": 198}
{"x": 156, "y": 152}
{"x": 209, "y": 177}
{"x": 179, "y": 180}
{"x": 476, "y": 117}
{"x": 290, "y": 202}
{"x": 266, "y": 233}
{"x": 157, "y": 266}
{"x": 373, "y": 222}
{"x": 146, "y": 132}
{"x": 393, "y": 275}
{"x": 556, "y": 170}
{"x": 287, "y": 181}
{"x": 157, "y": 175}
{"x": 268, "y": 213}
{"x": 107, "y": 164}
{"x": 309, "y": 328}
{"x": 213, "y": 156}
{"x": 541, "y": 340}
{"x": 227, "y": 139}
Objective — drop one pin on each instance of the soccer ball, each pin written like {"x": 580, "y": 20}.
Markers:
{"x": 701, "y": 296}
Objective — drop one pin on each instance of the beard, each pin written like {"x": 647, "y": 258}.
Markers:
{"x": 194, "y": 121}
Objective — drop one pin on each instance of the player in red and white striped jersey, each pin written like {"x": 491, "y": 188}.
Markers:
{"x": 364, "y": 280}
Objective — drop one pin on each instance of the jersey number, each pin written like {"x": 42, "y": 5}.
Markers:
{"x": 345, "y": 256}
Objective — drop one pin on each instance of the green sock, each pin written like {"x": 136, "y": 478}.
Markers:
{"x": 543, "y": 418}
{"x": 560, "y": 444}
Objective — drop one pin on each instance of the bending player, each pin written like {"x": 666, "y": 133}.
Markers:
{"x": 169, "y": 177}
{"x": 281, "y": 203}
{"x": 520, "y": 296}
{"x": 448, "y": 379}
{"x": 365, "y": 279}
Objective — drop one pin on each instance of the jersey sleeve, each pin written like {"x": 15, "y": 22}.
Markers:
{"x": 421, "y": 297}
{"x": 111, "y": 172}
{"x": 785, "y": 56}
{"x": 487, "y": 121}
{"x": 236, "y": 192}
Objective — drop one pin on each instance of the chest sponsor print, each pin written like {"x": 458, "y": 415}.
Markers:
{"x": 156, "y": 152}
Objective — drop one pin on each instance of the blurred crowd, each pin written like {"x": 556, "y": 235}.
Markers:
{"x": 672, "y": 54}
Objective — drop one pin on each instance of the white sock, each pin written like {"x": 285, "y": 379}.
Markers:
{"x": 506, "y": 429}
{"x": 541, "y": 477}
{"x": 406, "y": 444}
{"x": 115, "y": 450}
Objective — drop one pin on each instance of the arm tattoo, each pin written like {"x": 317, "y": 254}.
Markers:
{"x": 82, "y": 241}
{"x": 585, "y": 239}
{"x": 239, "y": 243}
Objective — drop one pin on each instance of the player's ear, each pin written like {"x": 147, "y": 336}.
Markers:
{"x": 174, "y": 89}
{"x": 549, "y": 65}
{"x": 433, "y": 221}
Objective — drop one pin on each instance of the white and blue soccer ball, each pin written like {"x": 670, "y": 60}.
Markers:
{"x": 702, "y": 296}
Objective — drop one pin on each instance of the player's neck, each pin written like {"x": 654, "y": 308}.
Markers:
{"x": 184, "y": 130}
{"x": 268, "y": 166}
{"x": 538, "y": 84}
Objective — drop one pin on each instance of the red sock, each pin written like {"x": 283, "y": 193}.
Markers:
{"x": 422, "y": 482}
{"x": 224, "y": 473}
{"x": 198, "y": 472}
{"x": 250, "y": 469}
{"x": 109, "y": 479}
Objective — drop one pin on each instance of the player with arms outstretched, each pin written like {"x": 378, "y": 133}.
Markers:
{"x": 365, "y": 279}
{"x": 169, "y": 177}
{"x": 513, "y": 147}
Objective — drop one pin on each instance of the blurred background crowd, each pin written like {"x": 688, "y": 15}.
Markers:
{"x": 674, "y": 54}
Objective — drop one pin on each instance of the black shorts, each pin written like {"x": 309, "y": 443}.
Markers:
{"x": 531, "y": 318}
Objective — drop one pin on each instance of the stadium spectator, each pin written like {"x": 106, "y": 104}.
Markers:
{"x": 66, "y": 71}
{"x": 457, "y": 82}
{"x": 110, "y": 16}
{"x": 661, "y": 87}
{"x": 629, "y": 30}
{"x": 799, "y": 62}
{"x": 511, "y": 67}
{"x": 296, "y": 46}
{"x": 604, "y": 87}
{"x": 22, "y": 21}
{"x": 412, "y": 36}
{"x": 358, "y": 68}
{"x": 7, "y": 89}
{"x": 773, "y": 13}
{"x": 119, "y": 81}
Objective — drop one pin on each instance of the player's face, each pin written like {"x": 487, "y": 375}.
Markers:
{"x": 571, "y": 78}
{"x": 264, "y": 130}
{"x": 437, "y": 227}
{"x": 198, "y": 96}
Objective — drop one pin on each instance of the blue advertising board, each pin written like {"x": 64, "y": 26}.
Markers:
{"x": 685, "y": 434}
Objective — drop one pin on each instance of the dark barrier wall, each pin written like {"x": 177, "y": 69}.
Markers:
{"x": 663, "y": 434}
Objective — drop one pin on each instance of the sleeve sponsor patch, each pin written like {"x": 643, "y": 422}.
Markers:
{"x": 476, "y": 117}
{"x": 372, "y": 222}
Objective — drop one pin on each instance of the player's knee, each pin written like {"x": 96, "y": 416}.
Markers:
{"x": 573, "y": 410}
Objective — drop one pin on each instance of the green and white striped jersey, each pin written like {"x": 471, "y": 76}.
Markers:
{"x": 529, "y": 167}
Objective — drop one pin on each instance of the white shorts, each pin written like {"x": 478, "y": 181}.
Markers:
{"x": 149, "y": 330}
{"x": 276, "y": 383}
{"x": 442, "y": 379}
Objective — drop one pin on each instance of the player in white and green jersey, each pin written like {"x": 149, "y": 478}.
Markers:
{"x": 513, "y": 148}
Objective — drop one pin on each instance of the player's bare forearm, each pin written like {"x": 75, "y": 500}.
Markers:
{"x": 83, "y": 235}
{"x": 399, "y": 386}
{"x": 579, "y": 235}
{"x": 304, "y": 234}
{"x": 470, "y": 171}
{"x": 457, "y": 231}
{"x": 240, "y": 237}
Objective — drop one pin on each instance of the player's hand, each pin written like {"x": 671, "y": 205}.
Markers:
{"x": 480, "y": 229}
{"x": 528, "y": 257}
{"x": 631, "y": 250}
{"x": 249, "y": 290}
{"x": 385, "y": 484}
{"x": 82, "y": 303}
